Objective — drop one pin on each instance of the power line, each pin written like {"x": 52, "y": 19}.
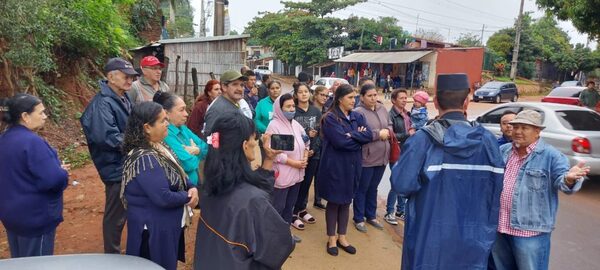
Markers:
{"x": 435, "y": 14}
{"x": 478, "y": 11}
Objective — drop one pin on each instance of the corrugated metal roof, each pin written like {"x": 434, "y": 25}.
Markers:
{"x": 201, "y": 39}
{"x": 401, "y": 57}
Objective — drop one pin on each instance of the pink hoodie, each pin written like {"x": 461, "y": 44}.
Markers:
{"x": 287, "y": 176}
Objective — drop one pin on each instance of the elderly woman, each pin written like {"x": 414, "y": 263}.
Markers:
{"x": 32, "y": 179}
{"x": 155, "y": 191}
{"x": 188, "y": 148}
{"x": 239, "y": 228}
{"x": 212, "y": 90}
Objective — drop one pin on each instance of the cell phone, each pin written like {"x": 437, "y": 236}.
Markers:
{"x": 282, "y": 142}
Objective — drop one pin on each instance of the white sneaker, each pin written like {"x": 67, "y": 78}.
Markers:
{"x": 391, "y": 219}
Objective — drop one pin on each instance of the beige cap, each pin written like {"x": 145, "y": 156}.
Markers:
{"x": 528, "y": 117}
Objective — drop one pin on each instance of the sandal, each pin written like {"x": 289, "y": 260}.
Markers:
{"x": 298, "y": 224}
{"x": 306, "y": 217}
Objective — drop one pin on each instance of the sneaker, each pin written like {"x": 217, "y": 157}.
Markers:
{"x": 361, "y": 227}
{"x": 391, "y": 219}
{"x": 375, "y": 223}
{"x": 400, "y": 216}
{"x": 296, "y": 239}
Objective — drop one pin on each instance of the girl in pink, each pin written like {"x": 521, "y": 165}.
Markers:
{"x": 288, "y": 166}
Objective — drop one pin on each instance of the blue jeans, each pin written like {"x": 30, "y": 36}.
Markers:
{"x": 365, "y": 198}
{"x": 24, "y": 246}
{"x": 523, "y": 253}
{"x": 392, "y": 198}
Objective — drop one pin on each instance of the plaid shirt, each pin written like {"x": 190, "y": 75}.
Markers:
{"x": 513, "y": 165}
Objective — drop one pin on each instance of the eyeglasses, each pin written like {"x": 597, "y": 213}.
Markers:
{"x": 323, "y": 95}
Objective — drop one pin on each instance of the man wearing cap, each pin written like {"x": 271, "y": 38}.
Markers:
{"x": 150, "y": 83}
{"x": 535, "y": 172}
{"x": 232, "y": 99}
{"x": 103, "y": 123}
{"x": 451, "y": 172}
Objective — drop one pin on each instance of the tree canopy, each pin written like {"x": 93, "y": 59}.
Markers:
{"x": 320, "y": 8}
{"x": 584, "y": 14}
{"x": 469, "y": 40}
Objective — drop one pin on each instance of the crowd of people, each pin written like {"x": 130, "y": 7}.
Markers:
{"x": 468, "y": 200}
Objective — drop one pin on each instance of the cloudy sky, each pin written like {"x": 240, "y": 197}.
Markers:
{"x": 447, "y": 17}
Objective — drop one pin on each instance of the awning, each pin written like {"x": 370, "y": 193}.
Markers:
{"x": 402, "y": 57}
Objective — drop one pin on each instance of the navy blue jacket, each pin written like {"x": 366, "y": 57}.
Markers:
{"x": 341, "y": 155}
{"x": 103, "y": 123}
{"x": 451, "y": 171}
{"x": 31, "y": 183}
{"x": 154, "y": 203}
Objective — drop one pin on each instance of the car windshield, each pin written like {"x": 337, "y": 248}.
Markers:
{"x": 569, "y": 83}
{"x": 565, "y": 92}
{"x": 492, "y": 85}
{"x": 263, "y": 67}
{"x": 579, "y": 120}
{"x": 320, "y": 82}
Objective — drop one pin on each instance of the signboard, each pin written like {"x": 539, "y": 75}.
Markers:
{"x": 335, "y": 52}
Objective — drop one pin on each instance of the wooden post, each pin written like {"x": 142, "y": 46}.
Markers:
{"x": 177, "y": 73}
{"x": 195, "y": 82}
{"x": 185, "y": 81}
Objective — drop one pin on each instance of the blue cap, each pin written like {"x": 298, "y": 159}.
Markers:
{"x": 121, "y": 65}
{"x": 452, "y": 82}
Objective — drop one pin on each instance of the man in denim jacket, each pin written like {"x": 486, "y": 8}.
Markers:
{"x": 534, "y": 173}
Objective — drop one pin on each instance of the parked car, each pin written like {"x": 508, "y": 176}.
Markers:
{"x": 571, "y": 83}
{"x": 80, "y": 261}
{"x": 496, "y": 92}
{"x": 262, "y": 70}
{"x": 573, "y": 130}
{"x": 564, "y": 95}
{"x": 327, "y": 82}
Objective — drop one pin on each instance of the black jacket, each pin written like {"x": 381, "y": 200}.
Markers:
{"x": 103, "y": 123}
{"x": 398, "y": 125}
{"x": 311, "y": 119}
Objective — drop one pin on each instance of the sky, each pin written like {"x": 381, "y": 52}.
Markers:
{"x": 447, "y": 17}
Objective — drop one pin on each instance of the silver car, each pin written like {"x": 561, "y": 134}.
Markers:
{"x": 573, "y": 130}
{"x": 80, "y": 261}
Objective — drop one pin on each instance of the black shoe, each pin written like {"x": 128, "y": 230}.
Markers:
{"x": 349, "y": 248}
{"x": 333, "y": 251}
{"x": 319, "y": 205}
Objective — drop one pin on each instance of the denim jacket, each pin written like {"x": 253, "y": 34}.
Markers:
{"x": 535, "y": 199}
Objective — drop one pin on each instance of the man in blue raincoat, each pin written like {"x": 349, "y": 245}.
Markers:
{"x": 451, "y": 172}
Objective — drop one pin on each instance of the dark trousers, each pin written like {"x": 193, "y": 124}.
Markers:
{"x": 365, "y": 198}
{"x": 337, "y": 216}
{"x": 309, "y": 173}
{"x": 114, "y": 218}
{"x": 284, "y": 200}
{"x": 25, "y": 246}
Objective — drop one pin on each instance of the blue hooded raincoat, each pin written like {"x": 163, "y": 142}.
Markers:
{"x": 451, "y": 172}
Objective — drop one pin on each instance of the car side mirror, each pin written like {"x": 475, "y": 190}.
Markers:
{"x": 478, "y": 120}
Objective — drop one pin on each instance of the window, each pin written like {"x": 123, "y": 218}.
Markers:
{"x": 494, "y": 116}
{"x": 566, "y": 92}
{"x": 579, "y": 120}
{"x": 320, "y": 82}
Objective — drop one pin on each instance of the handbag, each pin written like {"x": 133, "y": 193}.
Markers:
{"x": 395, "y": 148}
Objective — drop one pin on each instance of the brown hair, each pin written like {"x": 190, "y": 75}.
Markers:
{"x": 207, "y": 88}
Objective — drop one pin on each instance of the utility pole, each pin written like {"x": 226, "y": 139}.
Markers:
{"x": 515, "y": 58}
{"x": 482, "y": 30}
{"x": 417, "y": 27}
{"x": 448, "y": 35}
{"x": 219, "y": 18}
{"x": 361, "y": 38}
{"x": 202, "y": 19}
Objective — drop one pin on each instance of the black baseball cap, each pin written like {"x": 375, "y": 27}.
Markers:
{"x": 121, "y": 65}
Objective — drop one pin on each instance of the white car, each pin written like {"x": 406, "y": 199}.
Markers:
{"x": 262, "y": 70}
{"x": 573, "y": 130}
{"x": 327, "y": 82}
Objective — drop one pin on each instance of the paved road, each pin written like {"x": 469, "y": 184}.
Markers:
{"x": 576, "y": 239}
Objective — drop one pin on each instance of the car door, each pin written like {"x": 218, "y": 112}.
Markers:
{"x": 505, "y": 91}
{"x": 491, "y": 119}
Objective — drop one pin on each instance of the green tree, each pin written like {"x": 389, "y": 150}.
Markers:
{"x": 469, "y": 40}
{"x": 181, "y": 21}
{"x": 369, "y": 29}
{"x": 320, "y": 8}
{"x": 584, "y": 14}
{"x": 501, "y": 43}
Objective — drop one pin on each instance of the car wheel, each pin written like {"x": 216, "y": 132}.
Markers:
{"x": 514, "y": 98}
{"x": 497, "y": 99}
